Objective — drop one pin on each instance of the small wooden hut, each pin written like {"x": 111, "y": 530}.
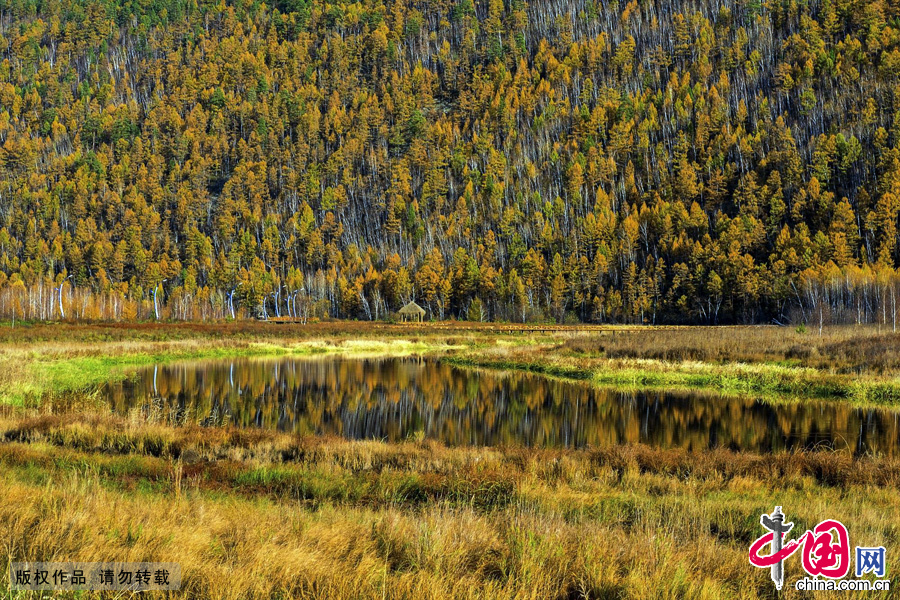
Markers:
{"x": 412, "y": 312}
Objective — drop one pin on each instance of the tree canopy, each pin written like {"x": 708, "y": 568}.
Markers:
{"x": 663, "y": 161}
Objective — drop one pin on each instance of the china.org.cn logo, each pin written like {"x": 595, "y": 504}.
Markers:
{"x": 825, "y": 555}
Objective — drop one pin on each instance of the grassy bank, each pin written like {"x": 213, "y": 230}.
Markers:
{"x": 773, "y": 382}
{"x": 853, "y": 364}
{"x": 859, "y": 366}
{"x": 32, "y": 374}
{"x": 253, "y": 514}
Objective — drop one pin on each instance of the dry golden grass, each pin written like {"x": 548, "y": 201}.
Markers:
{"x": 197, "y": 448}
{"x": 865, "y": 349}
{"x": 258, "y": 514}
{"x": 254, "y": 514}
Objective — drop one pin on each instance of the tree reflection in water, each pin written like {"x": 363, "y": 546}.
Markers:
{"x": 396, "y": 398}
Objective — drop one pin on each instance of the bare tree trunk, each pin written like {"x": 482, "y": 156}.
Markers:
{"x": 894, "y": 304}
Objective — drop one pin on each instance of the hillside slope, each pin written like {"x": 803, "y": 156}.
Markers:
{"x": 669, "y": 161}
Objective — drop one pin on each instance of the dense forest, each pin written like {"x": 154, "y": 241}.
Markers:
{"x": 686, "y": 161}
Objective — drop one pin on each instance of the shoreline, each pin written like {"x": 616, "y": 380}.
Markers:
{"x": 253, "y": 513}
{"x": 58, "y": 367}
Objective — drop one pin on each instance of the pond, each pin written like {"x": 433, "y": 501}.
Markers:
{"x": 396, "y": 399}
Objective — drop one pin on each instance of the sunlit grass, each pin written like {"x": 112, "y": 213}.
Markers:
{"x": 261, "y": 515}
{"x": 777, "y": 364}
{"x": 767, "y": 380}
{"x": 29, "y": 374}
{"x": 258, "y": 514}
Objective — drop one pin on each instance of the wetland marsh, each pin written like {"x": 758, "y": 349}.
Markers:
{"x": 398, "y": 399}
{"x": 344, "y": 461}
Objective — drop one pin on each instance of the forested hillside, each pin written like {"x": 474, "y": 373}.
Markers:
{"x": 658, "y": 161}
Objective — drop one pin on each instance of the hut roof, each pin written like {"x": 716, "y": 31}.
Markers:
{"x": 412, "y": 309}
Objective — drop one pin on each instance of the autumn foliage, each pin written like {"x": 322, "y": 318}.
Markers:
{"x": 668, "y": 161}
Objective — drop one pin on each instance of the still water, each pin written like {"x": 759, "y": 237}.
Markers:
{"x": 398, "y": 398}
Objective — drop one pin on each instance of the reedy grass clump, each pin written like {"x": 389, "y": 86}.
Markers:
{"x": 857, "y": 350}
{"x": 270, "y": 458}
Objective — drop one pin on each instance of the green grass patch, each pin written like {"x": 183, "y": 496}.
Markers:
{"x": 771, "y": 382}
{"x": 49, "y": 376}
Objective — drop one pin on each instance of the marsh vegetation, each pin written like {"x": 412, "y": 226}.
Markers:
{"x": 255, "y": 513}
{"x": 264, "y": 511}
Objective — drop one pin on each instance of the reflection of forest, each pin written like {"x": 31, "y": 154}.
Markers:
{"x": 395, "y": 398}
